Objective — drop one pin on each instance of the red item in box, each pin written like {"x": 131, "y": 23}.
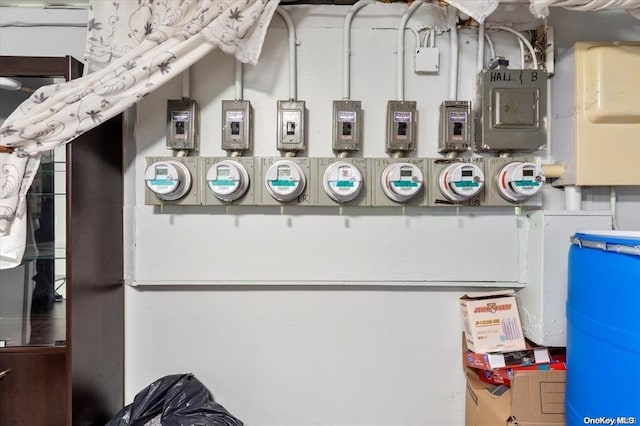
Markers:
{"x": 503, "y": 376}
{"x": 492, "y": 361}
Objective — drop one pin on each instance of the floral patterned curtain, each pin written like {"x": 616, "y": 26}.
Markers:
{"x": 132, "y": 48}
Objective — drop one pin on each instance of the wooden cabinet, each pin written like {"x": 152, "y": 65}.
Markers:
{"x": 77, "y": 379}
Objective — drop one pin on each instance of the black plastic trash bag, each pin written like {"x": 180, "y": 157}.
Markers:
{"x": 180, "y": 400}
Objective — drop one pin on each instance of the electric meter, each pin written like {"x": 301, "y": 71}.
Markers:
{"x": 169, "y": 180}
{"x": 518, "y": 181}
{"x": 461, "y": 181}
{"x": 228, "y": 180}
{"x": 342, "y": 182}
{"x": 285, "y": 180}
{"x": 401, "y": 181}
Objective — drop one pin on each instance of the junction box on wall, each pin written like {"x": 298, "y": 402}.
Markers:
{"x": 511, "y": 110}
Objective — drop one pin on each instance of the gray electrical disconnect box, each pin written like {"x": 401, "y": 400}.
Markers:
{"x": 401, "y": 126}
{"x": 291, "y": 125}
{"x": 347, "y": 126}
{"x": 236, "y": 125}
{"x": 456, "y": 130}
{"x": 182, "y": 124}
{"x": 511, "y": 110}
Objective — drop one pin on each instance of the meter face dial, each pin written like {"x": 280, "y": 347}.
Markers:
{"x": 169, "y": 180}
{"x": 519, "y": 181}
{"x": 461, "y": 181}
{"x": 285, "y": 180}
{"x": 401, "y": 181}
{"x": 228, "y": 180}
{"x": 342, "y": 182}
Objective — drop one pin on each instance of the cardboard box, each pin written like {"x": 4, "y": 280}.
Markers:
{"x": 535, "y": 398}
{"x": 492, "y": 322}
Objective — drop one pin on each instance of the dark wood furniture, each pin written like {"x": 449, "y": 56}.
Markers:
{"x": 79, "y": 381}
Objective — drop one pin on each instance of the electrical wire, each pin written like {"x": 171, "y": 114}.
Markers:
{"x": 492, "y": 49}
{"x": 400, "y": 48}
{"x": 524, "y": 40}
{"x": 522, "y": 55}
{"x": 291, "y": 29}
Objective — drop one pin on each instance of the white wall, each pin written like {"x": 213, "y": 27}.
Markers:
{"x": 48, "y": 32}
{"x": 324, "y": 354}
{"x": 313, "y": 354}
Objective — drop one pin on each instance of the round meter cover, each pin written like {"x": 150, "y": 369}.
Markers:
{"x": 519, "y": 181}
{"x": 342, "y": 181}
{"x": 285, "y": 180}
{"x": 228, "y": 180}
{"x": 461, "y": 181}
{"x": 401, "y": 181}
{"x": 170, "y": 180}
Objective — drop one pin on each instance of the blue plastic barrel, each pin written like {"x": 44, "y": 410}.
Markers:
{"x": 603, "y": 328}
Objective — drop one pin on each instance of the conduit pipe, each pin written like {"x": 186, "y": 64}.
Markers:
{"x": 453, "y": 81}
{"x": 572, "y": 198}
{"x": 554, "y": 171}
{"x": 239, "y": 82}
{"x": 186, "y": 83}
{"x": 346, "y": 50}
{"x": 492, "y": 49}
{"x": 524, "y": 40}
{"x": 400, "y": 48}
{"x": 291, "y": 29}
{"x": 613, "y": 200}
{"x": 186, "y": 94}
{"x": 480, "y": 57}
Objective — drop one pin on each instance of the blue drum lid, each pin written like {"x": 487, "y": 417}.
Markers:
{"x": 628, "y": 238}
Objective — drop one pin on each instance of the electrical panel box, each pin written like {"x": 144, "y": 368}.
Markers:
{"x": 511, "y": 110}
{"x": 398, "y": 181}
{"x": 236, "y": 126}
{"x": 282, "y": 176}
{"x": 513, "y": 181}
{"x": 342, "y": 181}
{"x": 182, "y": 124}
{"x": 401, "y": 126}
{"x": 456, "y": 182}
{"x": 456, "y": 127}
{"x": 172, "y": 181}
{"x": 229, "y": 180}
{"x": 291, "y": 126}
{"x": 427, "y": 60}
{"x": 347, "y": 126}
